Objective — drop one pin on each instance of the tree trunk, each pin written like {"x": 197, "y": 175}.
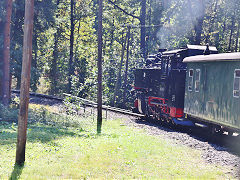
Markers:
{"x": 143, "y": 28}
{"x": 53, "y": 70}
{"x": 236, "y": 45}
{"x": 217, "y": 40}
{"x": 191, "y": 33}
{"x": 6, "y": 55}
{"x": 231, "y": 33}
{"x": 34, "y": 75}
{"x": 118, "y": 82}
{"x": 70, "y": 73}
{"x": 25, "y": 82}
{"x": 149, "y": 34}
{"x": 126, "y": 69}
{"x": 199, "y": 25}
{"x": 211, "y": 22}
{"x": 99, "y": 98}
{"x": 112, "y": 38}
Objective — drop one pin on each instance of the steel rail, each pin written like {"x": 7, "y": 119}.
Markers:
{"x": 105, "y": 107}
{"x": 84, "y": 102}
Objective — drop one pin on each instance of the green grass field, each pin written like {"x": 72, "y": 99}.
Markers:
{"x": 58, "y": 152}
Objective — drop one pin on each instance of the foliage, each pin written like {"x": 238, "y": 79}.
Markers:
{"x": 170, "y": 24}
{"x": 8, "y": 114}
{"x": 48, "y": 116}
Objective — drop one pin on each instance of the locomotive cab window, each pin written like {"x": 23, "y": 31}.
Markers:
{"x": 190, "y": 83}
{"x": 236, "y": 83}
{"x": 197, "y": 80}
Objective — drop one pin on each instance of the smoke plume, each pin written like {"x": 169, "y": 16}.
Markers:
{"x": 179, "y": 18}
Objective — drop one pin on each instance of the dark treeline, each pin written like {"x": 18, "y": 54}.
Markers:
{"x": 65, "y": 40}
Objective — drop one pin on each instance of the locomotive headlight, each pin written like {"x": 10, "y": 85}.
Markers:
{"x": 150, "y": 89}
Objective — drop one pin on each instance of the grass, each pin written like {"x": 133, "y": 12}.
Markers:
{"x": 64, "y": 151}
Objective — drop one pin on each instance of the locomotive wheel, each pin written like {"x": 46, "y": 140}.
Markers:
{"x": 169, "y": 120}
{"x": 216, "y": 130}
{"x": 135, "y": 110}
{"x": 173, "y": 123}
{"x": 230, "y": 133}
{"x": 162, "y": 119}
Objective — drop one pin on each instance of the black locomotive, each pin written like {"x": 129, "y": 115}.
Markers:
{"x": 168, "y": 90}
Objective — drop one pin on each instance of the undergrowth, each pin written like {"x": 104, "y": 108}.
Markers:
{"x": 65, "y": 115}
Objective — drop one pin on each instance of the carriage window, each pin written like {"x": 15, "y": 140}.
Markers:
{"x": 190, "y": 82}
{"x": 197, "y": 80}
{"x": 236, "y": 83}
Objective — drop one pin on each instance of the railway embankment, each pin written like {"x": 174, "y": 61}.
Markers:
{"x": 138, "y": 148}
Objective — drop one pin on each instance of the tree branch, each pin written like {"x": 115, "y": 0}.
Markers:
{"x": 116, "y": 6}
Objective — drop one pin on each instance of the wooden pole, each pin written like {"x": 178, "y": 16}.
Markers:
{"x": 25, "y": 82}
{"x": 99, "y": 101}
{"x": 6, "y": 55}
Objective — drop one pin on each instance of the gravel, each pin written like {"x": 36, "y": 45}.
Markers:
{"x": 212, "y": 153}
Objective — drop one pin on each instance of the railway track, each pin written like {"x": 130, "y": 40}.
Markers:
{"x": 83, "y": 102}
{"x": 196, "y": 131}
{"x": 105, "y": 107}
{"x": 40, "y": 95}
{"x": 220, "y": 149}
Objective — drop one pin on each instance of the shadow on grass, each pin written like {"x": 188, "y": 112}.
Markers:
{"x": 41, "y": 133}
{"x": 16, "y": 173}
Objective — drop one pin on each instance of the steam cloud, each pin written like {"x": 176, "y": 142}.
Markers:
{"x": 179, "y": 18}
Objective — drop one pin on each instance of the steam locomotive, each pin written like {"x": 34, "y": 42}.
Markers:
{"x": 191, "y": 86}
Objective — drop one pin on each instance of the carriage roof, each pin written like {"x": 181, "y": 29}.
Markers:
{"x": 214, "y": 57}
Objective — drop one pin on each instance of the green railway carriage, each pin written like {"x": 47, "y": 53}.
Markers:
{"x": 212, "y": 91}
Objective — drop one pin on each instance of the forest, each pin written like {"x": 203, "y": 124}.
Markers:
{"x": 64, "y": 53}
{"x": 79, "y": 52}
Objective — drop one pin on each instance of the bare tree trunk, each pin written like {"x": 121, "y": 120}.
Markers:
{"x": 25, "y": 82}
{"x": 199, "y": 26}
{"x": 211, "y": 22}
{"x": 150, "y": 34}
{"x": 53, "y": 70}
{"x": 231, "y": 33}
{"x": 34, "y": 65}
{"x": 236, "y": 45}
{"x": 191, "y": 33}
{"x": 143, "y": 28}
{"x": 6, "y": 55}
{"x": 70, "y": 73}
{"x": 112, "y": 38}
{"x": 118, "y": 82}
{"x": 126, "y": 69}
{"x": 99, "y": 98}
